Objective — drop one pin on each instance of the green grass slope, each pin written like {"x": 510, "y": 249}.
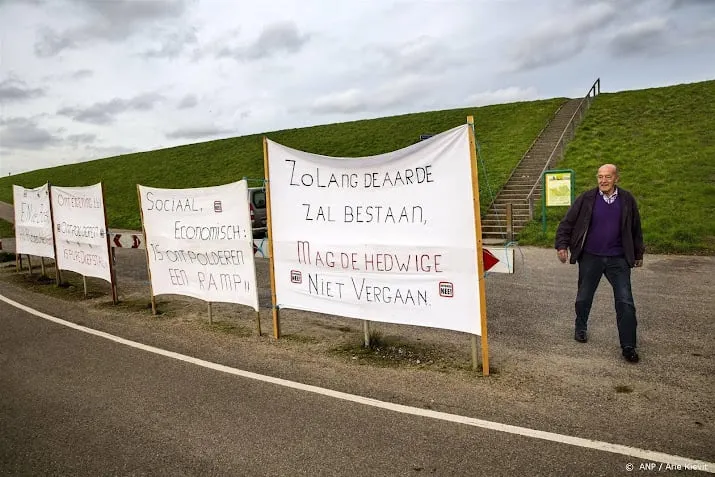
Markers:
{"x": 504, "y": 132}
{"x": 6, "y": 229}
{"x": 663, "y": 141}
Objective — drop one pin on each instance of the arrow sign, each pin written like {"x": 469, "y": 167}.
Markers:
{"x": 489, "y": 259}
{"x": 127, "y": 240}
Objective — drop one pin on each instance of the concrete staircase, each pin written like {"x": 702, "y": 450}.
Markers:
{"x": 527, "y": 174}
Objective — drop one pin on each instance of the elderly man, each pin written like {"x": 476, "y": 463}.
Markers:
{"x": 602, "y": 231}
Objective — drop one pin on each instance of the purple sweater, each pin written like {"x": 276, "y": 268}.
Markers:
{"x": 604, "y": 233}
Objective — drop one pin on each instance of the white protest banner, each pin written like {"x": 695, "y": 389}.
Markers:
{"x": 199, "y": 242}
{"x": 388, "y": 238}
{"x": 81, "y": 230}
{"x": 33, "y": 224}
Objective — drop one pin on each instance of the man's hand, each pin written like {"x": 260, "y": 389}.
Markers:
{"x": 639, "y": 263}
{"x": 563, "y": 255}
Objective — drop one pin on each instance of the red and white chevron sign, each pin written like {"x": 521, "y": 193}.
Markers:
{"x": 126, "y": 240}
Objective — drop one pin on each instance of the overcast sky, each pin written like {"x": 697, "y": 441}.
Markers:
{"x": 84, "y": 79}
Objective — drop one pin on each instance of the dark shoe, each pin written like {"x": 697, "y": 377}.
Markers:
{"x": 580, "y": 336}
{"x": 630, "y": 355}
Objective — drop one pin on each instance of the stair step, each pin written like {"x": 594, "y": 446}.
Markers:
{"x": 526, "y": 177}
{"x": 514, "y": 207}
{"x": 512, "y": 195}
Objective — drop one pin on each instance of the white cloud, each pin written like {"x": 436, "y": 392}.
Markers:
{"x": 274, "y": 39}
{"x": 564, "y": 35}
{"x": 105, "y": 112}
{"x": 110, "y": 21}
{"x": 649, "y": 35}
{"x": 13, "y": 89}
{"x": 397, "y": 93}
{"x": 198, "y": 132}
{"x": 510, "y": 94}
{"x": 86, "y": 78}
{"x": 23, "y": 133}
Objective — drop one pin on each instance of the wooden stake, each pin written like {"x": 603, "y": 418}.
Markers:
{"x": 480, "y": 258}
{"x": 475, "y": 360}
{"x": 211, "y": 318}
{"x": 110, "y": 254}
{"x": 58, "y": 274}
{"x": 113, "y": 255}
{"x": 146, "y": 247}
{"x": 509, "y": 223}
{"x": 366, "y": 332}
{"x": 42, "y": 266}
{"x": 84, "y": 282}
{"x": 269, "y": 226}
{"x": 258, "y": 322}
{"x": 29, "y": 265}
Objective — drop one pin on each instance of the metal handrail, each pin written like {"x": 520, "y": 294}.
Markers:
{"x": 531, "y": 146}
{"x": 596, "y": 89}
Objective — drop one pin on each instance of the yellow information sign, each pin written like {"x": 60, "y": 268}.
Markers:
{"x": 558, "y": 189}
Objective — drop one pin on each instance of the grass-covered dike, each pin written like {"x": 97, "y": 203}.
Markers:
{"x": 662, "y": 139}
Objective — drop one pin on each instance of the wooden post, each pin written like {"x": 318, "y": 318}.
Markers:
{"x": 42, "y": 266}
{"x": 211, "y": 318}
{"x": 18, "y": 262}
{"x": 258, "y": 322}
{"x": 480, "y": 258}
{"x": 58, "y": 274}
{"x": 531, "y": 208}
{"x": 366, "y": 332}
{"x": 112, "y": 274}
{"x": 475, "y": 359}
{"x": 146, "y": 247}
{"x": 113, "y": 258}
{"x": 29, "y": 265}
{"x": 84, "y": 282}
{"x": 509, "y": 223}
{"x": 269, "y": 232}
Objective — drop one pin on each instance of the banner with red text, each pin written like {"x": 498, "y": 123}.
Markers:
{"x": 33, "y": 224}
{"x": 200, "y": 242}
{"x": 80, "y": 230}
{"x": 387, "y": 238}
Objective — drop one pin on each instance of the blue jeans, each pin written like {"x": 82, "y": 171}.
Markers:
{"x": 618, "y": 274}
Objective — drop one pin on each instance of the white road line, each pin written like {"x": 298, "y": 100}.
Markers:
{"x": 647, "y": 455}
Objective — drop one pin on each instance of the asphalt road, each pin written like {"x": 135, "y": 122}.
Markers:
{"x": 77, "y": 404}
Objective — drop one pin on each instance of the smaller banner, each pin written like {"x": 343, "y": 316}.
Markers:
{"x": 80, "y": 230}
{"x": 200, "y": 242}
{"x": 33, "y": 224}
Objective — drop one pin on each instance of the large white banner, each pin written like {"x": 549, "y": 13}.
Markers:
{"x": 33, "y": 224}
{"x": 80, "y": 230}
{"x": 200, "y": 242}
{"x": 386, "y": 238}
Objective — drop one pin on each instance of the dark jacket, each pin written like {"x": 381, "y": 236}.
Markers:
{"x": 572, "y": 230}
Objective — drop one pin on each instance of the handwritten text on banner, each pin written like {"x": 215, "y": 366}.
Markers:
{"x": 385, "y": 238}
{"x": 200, "y": 242}
{"x": 80, "y": 230}
{"x": 33, "y": 224}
